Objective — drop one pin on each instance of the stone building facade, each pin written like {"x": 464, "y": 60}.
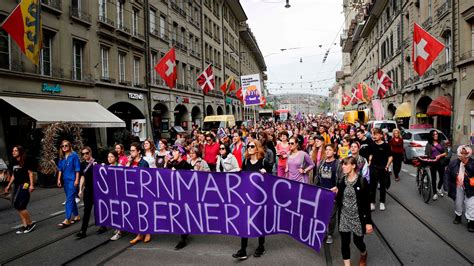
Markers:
{"x": 379, "y": 35}
{"x": 105, "y": 51}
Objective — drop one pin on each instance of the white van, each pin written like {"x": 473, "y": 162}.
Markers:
{"x": 390, "y": 125}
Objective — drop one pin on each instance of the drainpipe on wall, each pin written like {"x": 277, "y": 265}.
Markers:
{"x": 147, "y": 64}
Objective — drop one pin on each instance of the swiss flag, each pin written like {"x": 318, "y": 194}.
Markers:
{"x": 346, "y": 99}
{"x": 167, "y": 68}
{"x": 263, "y": 101}
{"x": 354, "y": 99}
{"x": 240, "y": 95}
{"x": 425, "y": 49}
{"x": 206, "y": 80}
{"x": 384, "y": 83}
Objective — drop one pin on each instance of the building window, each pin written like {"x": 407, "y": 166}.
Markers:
{"x": 135, "y": 22}
{"x": 182, "y": 37}
{"x": 45, "y": 62}
{"x": 104, "y": 59}
{"x": 121, "y": 61}
{"x": 4, "y": 48}
{"x": 430, "y": 4}
{"x": 162, "y": 26}
{"x": 76, "y": 5}
{"x": 103, "y": 8}
{"x": 136, "y": 71}
{"x": 154, "y": 61}
{"x": 472, "y": 37}
{"x": 78, "y": 48}
{"x": 447, "y": 48}
{"x": 119, "y": 14}
{"x": 152, "y": 21}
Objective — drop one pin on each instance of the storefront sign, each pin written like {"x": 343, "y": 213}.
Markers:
{"x": 180, "y": 100}
{"x": 135, "y": 96}
{"x": 52, "y": 89}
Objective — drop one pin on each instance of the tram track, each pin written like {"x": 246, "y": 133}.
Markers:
{"x": 431, "y": 228}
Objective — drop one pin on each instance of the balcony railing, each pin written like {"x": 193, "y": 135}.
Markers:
{"x": 107, "y": 21}
{"x": 52, "y": 5}
{"x": 123, "y": 29}
{"x": 427, "y": 23}
{"x": 208, "y": 32}
{"x": 195, "y": 23}
{"x": 179, "y": 45}
{"x": 443, "y": 9}
{"x": 107, "y": 79}
{"x": 445, "y": 67}
{"x": 178, "y": 9}
{"x": 79, "y": 15}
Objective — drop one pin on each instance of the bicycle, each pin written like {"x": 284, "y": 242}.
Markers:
{"x": 423, "y": 176}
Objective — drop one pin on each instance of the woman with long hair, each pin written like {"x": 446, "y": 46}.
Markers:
{"x": 226, "y": 161}
{"x": 282, "y": 151}
{"x": 396, "y": 146}
{"x": 22, "y": 178}
{"x": 299, "y": 162}
{"x": 362, "y": 164}
{"x": 69, "y": 167}
{"x": 122, "y": 157}
{"x": 352, "y": 201}
{"x": 253, "y": 162}
{"x": 161, "y": 154}
{"x": 436, "y": 149}
{"x": 149, "y": 154}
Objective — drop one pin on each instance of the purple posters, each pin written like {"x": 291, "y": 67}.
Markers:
{"x": 251, "y": 89}
{"x": 157, "y": 201}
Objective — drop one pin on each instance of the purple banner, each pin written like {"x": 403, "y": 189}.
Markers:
{"x": 156, "y": 201}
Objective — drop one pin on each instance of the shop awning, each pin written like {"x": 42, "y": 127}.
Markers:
{"x": 440, "y": 106}
{"x": 85, "y": 114}
{"x": 404, "y": 110}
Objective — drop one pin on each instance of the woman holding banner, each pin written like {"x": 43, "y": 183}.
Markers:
{"x": 254, "y": 161}
{"x": 353, "y": 210}
{"x": 177, "y": 162}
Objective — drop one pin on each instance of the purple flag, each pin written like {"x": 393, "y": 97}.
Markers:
{"x": 246, "y": 204}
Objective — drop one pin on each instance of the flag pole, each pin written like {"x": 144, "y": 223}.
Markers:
{"x": 254, "y": 117}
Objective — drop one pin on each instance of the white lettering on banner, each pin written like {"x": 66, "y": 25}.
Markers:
{"x": 316, "y": 232}
{"x": 275, "y": 198}
{"x": 105, "y": 190}
{"x": 292, "y": 218}
{"x": 228, "y": 220}
{"x": 173, "y": 216}
{"x": 112, "y": 212}
{"x": 258, "y": 187}
{"x": 143, "y": 185}
{"x": 279, "y": 229}
{"x": 101, "y": 217}
{"x": 231, "y": 189}
{"x": 115, "y": 170}
{"x": 308, "y": 236}
{"x": 209, "y": 217}
{"x": 250, "y": 219}
{"x": 265, "y": 215}
{"x": 209, "y": 187}
{"x": 125, "y": 214}
{"x": 187, "y": 185}
{"x": 142, "y": 216}
{"x": 169, "y": 189}
{"x": 161, "y": 217}
{"x": 127, "y": 182}
{"x": 314, "y": 203}
{"x": 189, "y": 213}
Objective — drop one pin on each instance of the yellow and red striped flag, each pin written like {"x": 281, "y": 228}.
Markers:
{"x": 25, "y": 28}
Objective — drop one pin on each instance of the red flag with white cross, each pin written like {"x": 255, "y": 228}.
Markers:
{"x": 346, "y": 99}
{"x": 167, "y": 68}
{"x": 425, "y": 49}
{"x": 206, "y": 80}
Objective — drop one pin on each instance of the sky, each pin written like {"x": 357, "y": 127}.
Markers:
{"x": 314, "y": 25}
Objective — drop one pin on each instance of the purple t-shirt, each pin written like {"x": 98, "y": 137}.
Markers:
{"x": 296, "y": 162}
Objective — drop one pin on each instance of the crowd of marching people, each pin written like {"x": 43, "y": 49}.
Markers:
{"x": 345, "y": 159}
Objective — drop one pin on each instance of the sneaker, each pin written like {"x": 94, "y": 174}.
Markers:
{"x": 382, "y": 206}
{"x": 329, "y": 240}
{"x": 78, "y": 200}
{"x": 20, "y": 230}
{"x": 116, "y": 236}
{"x": 372, "y": 206}
{"x": 30, "y": 228}
{"x": 435, "y": 196}
{"x": 457, "y": 219}
{"x": 441, "y": 192}
{"x": 259, "y": 252}
{"x": 241, "y": 255}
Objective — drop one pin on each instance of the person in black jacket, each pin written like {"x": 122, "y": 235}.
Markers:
{"x": 353, "y": 205}
{"x": 459, "y": 181}
{"x": 254, "y": 161}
